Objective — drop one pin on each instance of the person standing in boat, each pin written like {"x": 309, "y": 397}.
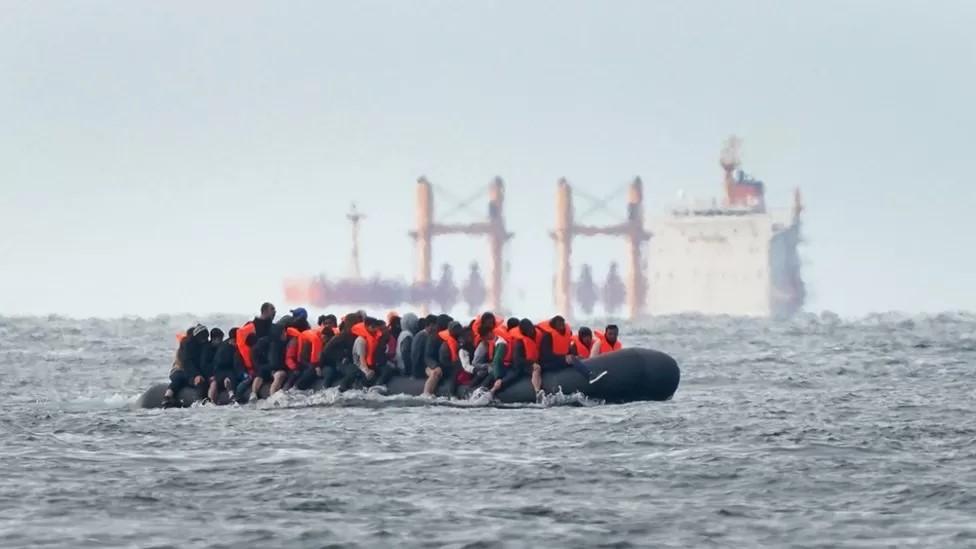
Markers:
{"x": 186, "y": 366}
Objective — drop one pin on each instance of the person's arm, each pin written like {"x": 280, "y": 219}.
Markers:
{"x": 359, "y": 354}
{"x": 595, "y": 348}
{"x": 405, "y": 360}
{"x": 481, "y": 353}
{"x": 498, "y": 362}
{"x": 464, "y": 357}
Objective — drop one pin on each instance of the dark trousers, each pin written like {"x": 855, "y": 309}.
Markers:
{"x": 511, "y": 375}
{"x": 178, "y": 379}
{"x": 308, "y": 377}
{"x": 353, "y": 376}
{"x": 482, "y": 376}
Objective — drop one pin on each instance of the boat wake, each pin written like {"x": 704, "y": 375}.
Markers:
{"x": 332, "y": 397}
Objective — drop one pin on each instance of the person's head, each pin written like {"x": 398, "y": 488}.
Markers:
{"x": 527, "y": 328}
{"x": 431, "y": 323}
{"x": 200, "y": 333}
{"x": 585, "y": 335}
{"x": 232, "y": 336}
{"x": 268, "y": 311}
{"x": 488, "y": 319}
{"x": 558, "y": 323}
{"x": 299, "y": 313}
{"x": 396, "y": 326}
{"x": 409, "y": 322}
{"x": 455, "y": 329}
{"x": 443, "y": 321}
{"x": 372, "y": 324}
{"x": 390, "y": 315}
{"x": 466, "y": 337}
{"x": 328, "y": 321}
{"x": 216, "y": 335}
{"x": 611, "y": 333}
{"x": 512, "y": 323}
{"x": 484, "y": 332}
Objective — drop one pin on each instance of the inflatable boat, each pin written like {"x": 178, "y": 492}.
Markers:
{"x": 631, "y": 375}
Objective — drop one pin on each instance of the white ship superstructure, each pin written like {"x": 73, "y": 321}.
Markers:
{"x": 729, "y": 258}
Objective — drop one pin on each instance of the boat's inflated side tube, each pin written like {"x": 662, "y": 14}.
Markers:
{"x": 632, "y": 375}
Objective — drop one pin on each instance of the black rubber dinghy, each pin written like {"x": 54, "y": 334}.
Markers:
{"x": 632, "y": 375}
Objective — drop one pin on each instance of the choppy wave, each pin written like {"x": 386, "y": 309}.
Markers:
{"x": 816, "y": 431}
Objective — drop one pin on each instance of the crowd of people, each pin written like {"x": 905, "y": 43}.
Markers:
{"x": 488, "y": 353}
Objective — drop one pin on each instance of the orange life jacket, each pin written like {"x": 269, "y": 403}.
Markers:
{"x": 582, "y": 350}
{"x": 359, "y": 330}
{"x": 560, "y": 341}
{"x": 452, "y": 343}
{"x": 180, "y": 337}
{"x": 531, "y": 345}
{"x": 242, "y": 348}
{"x": 500, "y": 332}
{"x": 311, "y": 339}
{"x": 605, "y": 346}
{"x": 291, "y": 354}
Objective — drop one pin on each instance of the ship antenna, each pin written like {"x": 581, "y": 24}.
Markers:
{"x": 355, "y": 217}
{"x": 730, "y": 160}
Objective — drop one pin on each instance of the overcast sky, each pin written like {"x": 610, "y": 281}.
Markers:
{"x": 187, "y": 156}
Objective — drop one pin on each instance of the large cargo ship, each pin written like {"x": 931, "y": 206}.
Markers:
{"x": 728, "y": 257}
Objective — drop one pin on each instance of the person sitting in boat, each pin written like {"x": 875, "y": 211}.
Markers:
{"x": 432, "y": 354}
{"x": 311, "y": 345}
{"x": 521, "y": 358}
{"x": 606, "y": 341}
{"x": 583, "y": 342}
{"x": 555, "y": 337}
{"x": 401, "y": 360}
{"x": 369, "y": 365}
{"x": 209, "y": 352}
{"x": 261, "y": 356}
{"x": 455, "y": 356}
{"x": 284, "y": 355}
{"x": 259, "y": 328}
{"x": 426, "y": 328}
{"x": 186, "y": 366}
{"x": 226, "y": 365}
{"x": 337, "y": 352}
{"x": 488, "y": 357}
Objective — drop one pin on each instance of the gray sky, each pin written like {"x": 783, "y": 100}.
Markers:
{"x": 173, "y": 156}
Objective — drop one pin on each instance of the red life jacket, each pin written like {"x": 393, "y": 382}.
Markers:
{"x": 560, "y": 340}
{"x": 582, "y": 350}
{"x": 242, "y": 348}
{"x": 359, "y": 330}
{"x": 606, "y": 347}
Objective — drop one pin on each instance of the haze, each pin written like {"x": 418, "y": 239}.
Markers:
{"x": 186, "y": 157}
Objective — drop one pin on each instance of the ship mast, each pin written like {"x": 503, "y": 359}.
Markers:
{"x": 355, "y": 217}
{"x": 730, "y": 161}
